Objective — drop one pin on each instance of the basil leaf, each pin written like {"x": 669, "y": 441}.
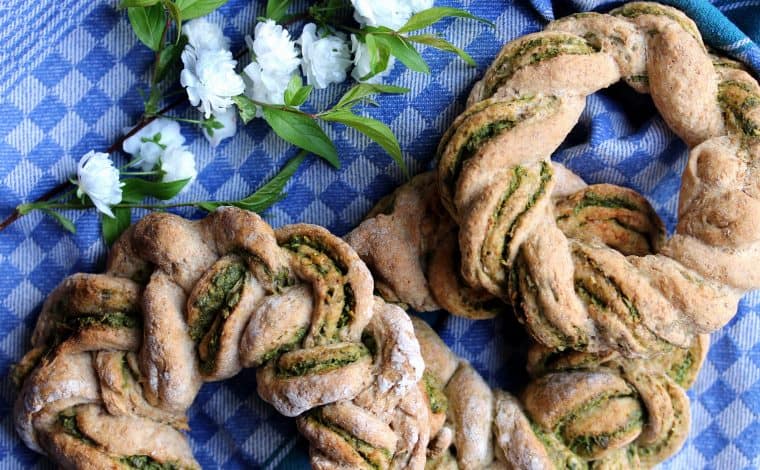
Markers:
{"x": 113, "y": 228}
{"x": 372, "y": 128}
{"x": 246, "y": 108}
{"x": 149, "y": 24}
{"x": 61, "y": 219}
{"x": 427, "y": 17}
{"x": 379, "y": 55}
{"x": 137, "y": 189}
{"x": 194, "y": 8}
{"x": 302, "y": 131}
{"x": 137, "y": 3}
{"x": 403, "y": 51}
{"x": 364, "y": 90}
{"x": 442, "y": 44}
{"x": 276, "y": 9}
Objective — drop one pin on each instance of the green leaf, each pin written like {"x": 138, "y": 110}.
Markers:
{"x": 137, "y": 3}
{"x": 168, "y": 57}
{"x": 364, "y": 90}
{"x": 176, "y": 15}
{"x": 149, "y": 24}
{"x": 296, "y": 94}
{"x": 379, "y": 55}
{"x": 301, "y": 130}
{"x": 302, "y": 95}
{"x": 403, "y": 51}
{"x": 442, "y": 44}
{"x": 372, "y": 128}
{"x": 194, "y": 8}
{"x": 113, "y": 228}
{"x": 61, "y": 219}
{"x": 276, "y": 9}
{"x": 427, "y": 17}
{"x": 137, "y": 189}
{"x": 246, "y": 108}
{"x": 266, "y": 195}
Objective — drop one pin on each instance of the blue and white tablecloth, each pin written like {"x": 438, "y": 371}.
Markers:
{"x": 71, "y": 72}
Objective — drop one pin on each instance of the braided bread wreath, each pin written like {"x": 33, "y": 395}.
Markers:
{"x": 618, "y": 314}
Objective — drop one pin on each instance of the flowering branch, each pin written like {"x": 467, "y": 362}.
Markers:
{"x": 269, "y": 87}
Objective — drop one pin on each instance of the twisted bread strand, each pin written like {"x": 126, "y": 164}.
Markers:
{"x": 495, "y": 179}
{"x": 580, "y": 410}
{"x": 118, "y": 358}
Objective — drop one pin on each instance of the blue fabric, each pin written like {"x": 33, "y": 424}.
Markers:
{"x": 69, "y": 82}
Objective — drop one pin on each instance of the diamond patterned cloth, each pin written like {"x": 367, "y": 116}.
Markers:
{"x": 71, "y": 74}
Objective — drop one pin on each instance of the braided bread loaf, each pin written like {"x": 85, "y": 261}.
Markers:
{"x": 580, "y": 410}
{"x": 118, "y": 358}
{"x": 589, "y": 269}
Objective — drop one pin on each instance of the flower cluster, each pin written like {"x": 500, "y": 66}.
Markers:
{"x": 157, "y": 149}
{"x": 210, "y": 78}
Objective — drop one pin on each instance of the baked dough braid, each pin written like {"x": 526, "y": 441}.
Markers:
{"x": 117, "y": 358}
{"x": 580, "y": 410}
{"x": 496, "y": 181}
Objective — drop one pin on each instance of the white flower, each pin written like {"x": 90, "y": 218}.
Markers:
{"x": 264, "y": 87}
{"x": 228, "y": 119}
{"x": 210, "y": 79}
{"x": 178, "y": 163}
{"x": 273, "y": 49}
{"x": 99, "y": 180}
{"x": 325, "y": 60}
{"x": 420, "y": 5}
{"x": 362, "y": 65}
{"x": 148, "y": 144}
{"x": 390, "y": 13}
{"x": 201, "y": 34}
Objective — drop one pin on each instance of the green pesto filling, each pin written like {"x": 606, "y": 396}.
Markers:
{"x": 349, "y": 304}
{"x": 68, "y": 423}
{"x": 112, "y": 319}
{"x": 476, "y": 141}
{"x": 634, "y": 11}
{"x": 438, "y": 401}
{"x": 316, "y": 365}
{"x": 534, "y": 51}
{"x": 678, "y": 372}
{"x": 539, "y": 320}
{"x": 298, "y": 240}
{"x": 638, "y": 79}
{"x": 280, "y": 350}
{"x": 546, "y": 176}
{"x": 145, "y": 462}
{"x": 558, "y": 453}
{"x": 588, "y": 445}
{"x": 592, "y": 199}
{"x": 367, "y": 451}
{"x": 738, "y": 100}
{"x": 222, "y": 295}
{"x": 585, "y": 292}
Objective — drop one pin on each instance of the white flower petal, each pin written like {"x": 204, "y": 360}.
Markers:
{"x": 178, "y": 163}
{"x": 274, "y": 50}
{"x": 201, "y": 34}
{"x": 143, "y": 147}
{"x": 325, "y": 60}
{"x": 99, "y": 180}
{"x": 228, "y": 119}
{"x": 210, "y": 79}
{"x": 389, "y": 13}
